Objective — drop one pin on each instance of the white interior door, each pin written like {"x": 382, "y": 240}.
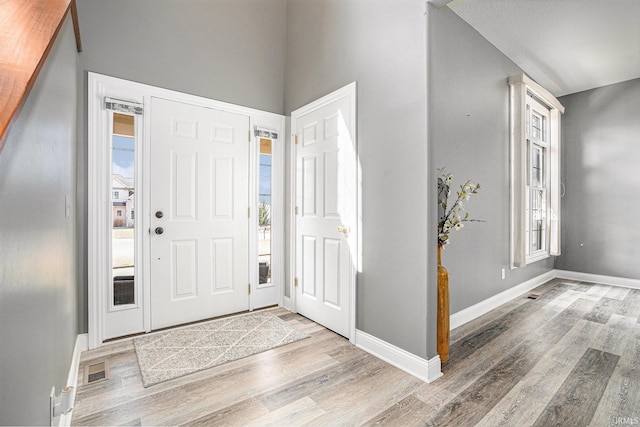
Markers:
{"x": 326, "y": 210}
{"x": 199, "y": 224}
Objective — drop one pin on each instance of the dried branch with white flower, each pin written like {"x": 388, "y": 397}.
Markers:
{"x": 449, "y": 217}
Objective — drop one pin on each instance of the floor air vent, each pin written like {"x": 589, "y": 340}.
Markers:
{"x": 96, "y": 372}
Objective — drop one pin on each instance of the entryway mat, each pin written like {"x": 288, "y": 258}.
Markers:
{"x": 171, "y": 354}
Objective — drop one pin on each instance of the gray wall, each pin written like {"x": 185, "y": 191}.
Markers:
{"x": 600, "y": 154}
{"x": 37, "y": 243}
{"x": 469, "y": 116}
{"x": 379, "y": 44}
{"x": 228, "y": 50}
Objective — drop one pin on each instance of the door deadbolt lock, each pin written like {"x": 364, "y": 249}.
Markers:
{"x": 159, "y": 230}
{"x": 159, "y": 214}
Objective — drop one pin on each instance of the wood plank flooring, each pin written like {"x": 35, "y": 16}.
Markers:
{"x": 569, "y": 358}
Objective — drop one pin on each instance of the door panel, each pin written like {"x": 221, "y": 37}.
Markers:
{"x": 184, "y": 281}
{"x": 309, "y": 260}
{"x": 222, "y": 195}
{"x": 199, "y": 183}
{"x": 331, "y": 184}
{"x": 332, "y": 280}
{"x": 222, "y": 265}
{"x": 327, "y": 203}
{"x": 183, "y": 206}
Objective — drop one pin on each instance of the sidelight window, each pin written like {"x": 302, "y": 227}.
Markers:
{"x": 264, "y": 212}
{"x": 123, "y": 151}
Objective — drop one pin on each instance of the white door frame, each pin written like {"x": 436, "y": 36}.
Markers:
{"x": 290, "y": 302}
{"x": 98, "y": 230}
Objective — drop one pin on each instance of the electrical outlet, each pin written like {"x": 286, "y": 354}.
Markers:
{"x": 504, "y": 273}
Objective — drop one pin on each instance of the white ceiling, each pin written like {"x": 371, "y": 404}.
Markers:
{"x": 565, "y": 45}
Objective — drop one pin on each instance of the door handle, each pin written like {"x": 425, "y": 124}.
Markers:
{"x": 159, "y": 230}
{"x": 343, "y": 229}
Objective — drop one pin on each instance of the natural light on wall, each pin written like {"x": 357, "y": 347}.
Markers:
{"x": 348, "y": 185}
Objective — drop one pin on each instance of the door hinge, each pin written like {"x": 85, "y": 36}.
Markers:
{"x": 296, "y": 210}
{"x": 249, "y": 135}
{"x": 296, "y": 139}
{"x": 249, "y": 212}
{"x": 249, "y": 288}
{"x": 295, "y": 281}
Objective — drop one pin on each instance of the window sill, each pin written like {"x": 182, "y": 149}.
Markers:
{"x": 536, "y": 258}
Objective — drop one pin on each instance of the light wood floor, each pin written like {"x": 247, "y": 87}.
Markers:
{"x": 569, "y": 358}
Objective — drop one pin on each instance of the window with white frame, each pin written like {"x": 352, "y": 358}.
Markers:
{"x": 535, "y": 172}
{"x": 537, "y": 139}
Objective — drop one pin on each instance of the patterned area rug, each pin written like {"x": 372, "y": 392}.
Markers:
{"x": 182, "y": 351}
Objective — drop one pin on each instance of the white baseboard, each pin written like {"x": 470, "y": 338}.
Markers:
{"x": 430, "y": 370}
{"x": 477, "y": 310}
{"x": 423, "y": 369}
{"x": 597, "y": 278}
{"x": 82, "y": 344}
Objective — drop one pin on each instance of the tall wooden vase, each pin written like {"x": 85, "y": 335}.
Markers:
{"x": 443, "y": 309}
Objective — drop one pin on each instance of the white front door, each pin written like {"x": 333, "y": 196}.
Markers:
{"x": 326, "y": 206}
{"x": 199, "y": 223}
